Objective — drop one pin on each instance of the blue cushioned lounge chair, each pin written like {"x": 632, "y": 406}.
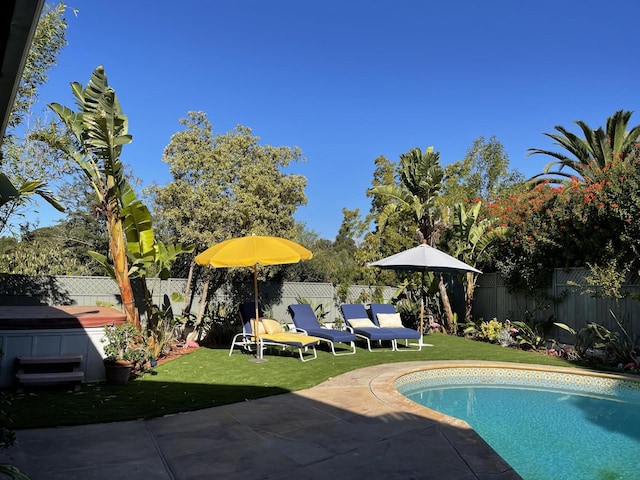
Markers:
{"x": 270, "y": 334}
{"x": 306, "y": 322}
{"x": 358, "y": 322}
{"x": 385, "y": 316}
{"x": 244, "y": 339}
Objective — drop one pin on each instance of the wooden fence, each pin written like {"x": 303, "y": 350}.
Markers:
{"x": 564, "y": 301}
{"x": 569, "y": 300}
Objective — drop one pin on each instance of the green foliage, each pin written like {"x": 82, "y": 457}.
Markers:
{"x": 125, "y": 342}
{"x": 483, "y": 174}
{"x": 7, "y": 435}
{"x": 490, "y": 331}
{"x": 529, "y": 337}
{"x": 593, "y": 153}
{"x": 160, "y": 329}
{"x": 562, "y": 227}
{"x": 48, "y": 41}
{"x": 27, "y": 167}
{"x": 12, "y": 473}
{"x": 40, "y": 252}
{"x": 249, "y": 193}
{"x": 320, "y": 309}
{"x": 605, "y": 280}
{"x": 94, "y": 139}
{"x": 596, "y": 342}
{"x": 420, "y": 182}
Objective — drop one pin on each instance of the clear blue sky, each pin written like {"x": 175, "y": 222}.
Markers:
{"x": 348, "y": 81}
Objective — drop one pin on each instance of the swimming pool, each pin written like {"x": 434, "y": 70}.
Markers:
{"x": 546, "y": 424}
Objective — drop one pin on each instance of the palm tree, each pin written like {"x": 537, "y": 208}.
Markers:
{"x": 592, "y": 153}
{"x": 420, "y": 182}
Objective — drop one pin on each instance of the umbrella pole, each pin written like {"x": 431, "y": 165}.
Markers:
{"x": 422, "y": 308}
{"x": 258, "y": 358}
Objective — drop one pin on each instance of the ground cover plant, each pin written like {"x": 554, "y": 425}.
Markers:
{"x": 208, "y": 377}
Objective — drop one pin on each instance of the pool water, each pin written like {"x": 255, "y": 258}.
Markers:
{"x": 546, "y": 433}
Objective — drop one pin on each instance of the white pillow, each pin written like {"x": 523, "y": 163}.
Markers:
{"x": 361, "y": 323}
{"x": 390, "y": 320}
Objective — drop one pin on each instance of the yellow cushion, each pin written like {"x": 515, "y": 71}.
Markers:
{"x": 271, "y": 326}
{"x": 295, "y": 339}
{"x": 259, "y": 328}
{"x": 361, "y": 323}
{"x": 389, "y": 320}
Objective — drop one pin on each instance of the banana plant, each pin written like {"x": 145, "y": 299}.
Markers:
{"x": 99, "y": 130}
{"x": 471, "y": 239}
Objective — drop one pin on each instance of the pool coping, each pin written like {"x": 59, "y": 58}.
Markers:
{"x": 383, "y": 386}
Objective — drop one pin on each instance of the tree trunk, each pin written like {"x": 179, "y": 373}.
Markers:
{"x": 118, "y": 251}
{"x": 203, "y": 303}
{"x": 446, "y": 305}
{"x": 188, "y": 297}
{"x": 468, "y": 296}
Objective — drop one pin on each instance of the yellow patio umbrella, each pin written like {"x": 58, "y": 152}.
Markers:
{"x": 251, "y": 251}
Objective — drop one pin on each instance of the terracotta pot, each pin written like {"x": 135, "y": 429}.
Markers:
{"x": 118, "y": 372}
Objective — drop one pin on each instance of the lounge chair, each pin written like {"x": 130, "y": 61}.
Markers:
{"x": 270, "y": 334}
{"x": 245, "y": 339}
{"x": 385, "y": 316}
{"x": 358, "y": 322}
{"x": 306, "y": 322}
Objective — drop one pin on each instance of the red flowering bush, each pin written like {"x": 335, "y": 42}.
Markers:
{"x": 592, "y": 221}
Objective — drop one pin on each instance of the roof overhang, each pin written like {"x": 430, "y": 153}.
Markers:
{"x": 18, "y": 20}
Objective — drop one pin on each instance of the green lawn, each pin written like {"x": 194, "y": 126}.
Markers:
{"x": 209, "y": 377}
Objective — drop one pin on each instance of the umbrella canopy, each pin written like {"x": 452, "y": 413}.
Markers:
{"x": 251, "y": 251}
{"x": 424, "y": 258}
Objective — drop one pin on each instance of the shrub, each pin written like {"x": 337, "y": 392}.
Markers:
{"x": 490, "y": 331}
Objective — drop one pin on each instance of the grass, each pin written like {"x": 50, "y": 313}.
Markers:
{"x": 209, "y": 377}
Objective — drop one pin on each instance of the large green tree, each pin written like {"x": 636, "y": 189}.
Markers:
{"x": 225, "y": 186}
{"x": 40, "y": 252}
{"x": 587, "y": 157}
{"x": 28, "y": 167}
{"x": 420, "y": 182}
{"x": 483, "y": 174}
{"x": 382, "y": 239}
{"x": 96, "y": 134}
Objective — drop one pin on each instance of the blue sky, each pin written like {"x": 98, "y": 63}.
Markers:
{"x": 348, "y": 81}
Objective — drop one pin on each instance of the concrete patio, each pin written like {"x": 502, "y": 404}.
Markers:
{"x": 353, "y": 426}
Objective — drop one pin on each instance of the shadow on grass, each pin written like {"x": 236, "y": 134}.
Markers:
{"x": 99, "y": 403}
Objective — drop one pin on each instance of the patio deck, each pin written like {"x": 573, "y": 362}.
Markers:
{"x": 353, "y": 426}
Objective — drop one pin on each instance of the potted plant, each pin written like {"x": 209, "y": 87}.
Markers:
{"x": 124, "y": 349}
